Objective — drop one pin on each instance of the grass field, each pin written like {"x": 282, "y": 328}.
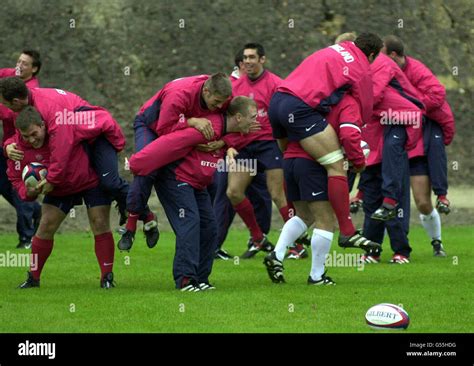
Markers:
{"x": 436, "y": 292}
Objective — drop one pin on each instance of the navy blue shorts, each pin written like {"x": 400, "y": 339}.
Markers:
{"x": 306, "y": 180}
{"x": 267, "y": 154}
{"x": 92, "y": 197}
{"x": 419, "y": 166}
{"x": 291, "y": 117}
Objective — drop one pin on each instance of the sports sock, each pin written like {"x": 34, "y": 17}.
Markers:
{"x": 247, "y": 214}
{"x": 338, "y": 193}
{"x": 132, "y": 222}
{"x": 390, "y": 203}
{"x": 292, "y": 230}
{"x": 41, "y": 249}
{"x": 432, "y": 224}
{"x": 104, "y": 251}
{"x": 320, "y": 244}
{"x": 285, "y": 213}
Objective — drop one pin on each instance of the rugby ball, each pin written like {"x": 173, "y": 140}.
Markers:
{"x": 387, "y": 316}
{"x": 33, "y": 173}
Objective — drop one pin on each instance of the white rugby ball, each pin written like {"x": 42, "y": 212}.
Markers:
{"x": 387, "y": 316}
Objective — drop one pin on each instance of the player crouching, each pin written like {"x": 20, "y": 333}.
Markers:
{"x": 78, "y": 183}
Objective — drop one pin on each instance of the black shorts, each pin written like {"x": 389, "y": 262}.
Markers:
{"x": 419, "y": 166}
{"x": 266, "y": 152}
{"x": 92, "y": 197}
{"x": 306, "y": 180}
{"x": 291, "y": 117}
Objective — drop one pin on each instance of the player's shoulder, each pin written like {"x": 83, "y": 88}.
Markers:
{"x": 416, "y": 66}
{"x": 274, "y": 77}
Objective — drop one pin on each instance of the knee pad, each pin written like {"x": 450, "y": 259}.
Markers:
{"x": 330, "y": 158}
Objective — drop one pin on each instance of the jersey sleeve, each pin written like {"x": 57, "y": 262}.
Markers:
{"x": 14, "y": 176}
{"x": 172, "y": 111}
{"x": 61, "y": 143}
{"x": 164, "y": 150}
{"x": 350, "y": 134}
{"x": 432, "y": 91}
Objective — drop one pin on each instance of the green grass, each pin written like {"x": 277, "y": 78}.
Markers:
{"x": 436, "y": 292}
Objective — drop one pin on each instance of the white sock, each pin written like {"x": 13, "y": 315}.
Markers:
{"x": 320, "y": 245}
{"x": 292, "y": 230}
{"x": 432, "y": 224}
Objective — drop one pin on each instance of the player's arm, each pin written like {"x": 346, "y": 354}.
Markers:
{"x": 110, "y": 128}
{"x": 173, "y": 111}
{"x": 61, "y": 143}
{"x": 432, "y": 91}
{"x": 14, "y": 176}
{"x": 445, "y": 118}
{"x": 164, "y": 150}
{"x": 350, "y": 138}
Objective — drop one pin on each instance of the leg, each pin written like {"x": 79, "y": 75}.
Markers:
{"x": 421, "y": 187}
{"x": 98, "y": 211}
{"x": 261, "y": 200}
{"x": 277, "y": 191}
{"x": 398, "y": 227}
{"x": 437, "y": 161}
{"x": 182, "y": 211}
{"x": 208, "y": 230}
{"x": 321, "y": 241}
{"x": 238, "y": 183}
{"x": 223, "y": 210}
{"x": 26, "y": 212}
{"x": 105, "y": 161}
{"x": 370, "y": 185}
{"x": 43, "y": 241}
{"x": 324, "y": 146}
{"x": 140, "y": 189}
{"x": 393, "y": 153}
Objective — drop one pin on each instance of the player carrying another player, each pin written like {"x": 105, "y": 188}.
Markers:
{"x": 428, "y": 167}
{"x": 181, "y": 188}
{"x": 171, "y": 108}
{"x": 59, "y": 107}
{"x": 297, "y": 113}
{"x": 74, "y": 182}
{"x": 307, "y": 185}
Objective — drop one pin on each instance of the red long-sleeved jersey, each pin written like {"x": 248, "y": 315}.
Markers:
{"x": 323, "y": 77}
